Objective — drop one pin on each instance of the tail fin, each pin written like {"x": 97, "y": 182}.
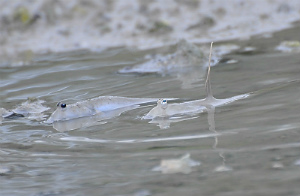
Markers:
{"x": 207, "y": 82}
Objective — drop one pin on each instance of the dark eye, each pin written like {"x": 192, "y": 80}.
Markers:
{"x": 164, "y": 101}
{"x": 63, "y": 105}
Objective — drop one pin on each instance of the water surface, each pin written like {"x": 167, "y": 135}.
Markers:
{"x": 256, "y": 139}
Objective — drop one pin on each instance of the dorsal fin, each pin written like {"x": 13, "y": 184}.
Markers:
{"x": 209, "y": 94}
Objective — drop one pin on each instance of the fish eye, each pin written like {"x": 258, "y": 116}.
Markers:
{"x": 164, "y": 104}
{"x": 63, "y": 105}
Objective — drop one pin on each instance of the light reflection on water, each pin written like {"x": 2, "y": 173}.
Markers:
{"x": 247, "y": 139}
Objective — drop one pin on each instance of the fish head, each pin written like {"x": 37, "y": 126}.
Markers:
{"x": 61, "y": 113}
{"x": 66, "y": 112}
{"x": 162, "y": 103}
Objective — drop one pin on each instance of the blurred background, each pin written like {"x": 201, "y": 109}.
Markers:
{"x": 29, "y": 26}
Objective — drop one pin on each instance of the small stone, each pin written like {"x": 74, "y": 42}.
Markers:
{"x": 182, "y": 165}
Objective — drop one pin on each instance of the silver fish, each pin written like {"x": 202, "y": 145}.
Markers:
{"x": 88, "y": 121}
{"x": 93, "y": 106}
{"x": 187, "y": 55}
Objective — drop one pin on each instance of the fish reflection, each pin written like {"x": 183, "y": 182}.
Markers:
{"x": 165, "y": 122}
{"x": 212, "y": 128}
{"x": 185, "y": 163}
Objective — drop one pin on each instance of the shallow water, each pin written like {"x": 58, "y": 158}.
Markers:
{"x": 250, "y": 147}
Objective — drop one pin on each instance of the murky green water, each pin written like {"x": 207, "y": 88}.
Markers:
{"x": 256, "y": 139}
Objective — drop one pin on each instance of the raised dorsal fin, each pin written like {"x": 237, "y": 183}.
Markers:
{"x": 209, "y": 94}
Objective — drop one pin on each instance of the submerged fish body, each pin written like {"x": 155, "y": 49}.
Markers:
{"x": 163, "y": 109}
{"x": 88, "y": 121}
{"x": 187, "y": 55}
{"x": 32, "y": 109}
{"x": 93, "y": 106}
{"x": 187, "y": 64}
{"x": 4, "y": 113}
{"x": 189, "y": 107}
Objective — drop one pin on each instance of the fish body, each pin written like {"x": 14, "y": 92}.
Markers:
{"x": 5, "y": 113}
{"x": 186, "y": 55}
{"x": 88, "y": 121}
{"x": 93, "y": 106}
{"x": 167, "y": 110}
{"x": 189, "y": 107}
{"x": 32, "y": 109}
{"x": 213, "y": 102}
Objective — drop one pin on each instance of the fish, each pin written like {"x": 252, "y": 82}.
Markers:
{"x": 32, "y": 109}
{"x": 186, "y": 55}
{"x": 4, "y": 113}
{"x": 88, "y": 121}
{"x": 163, "y": 109}
{"x": 183, "y": 64}
{"x": 93, "y": 106}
